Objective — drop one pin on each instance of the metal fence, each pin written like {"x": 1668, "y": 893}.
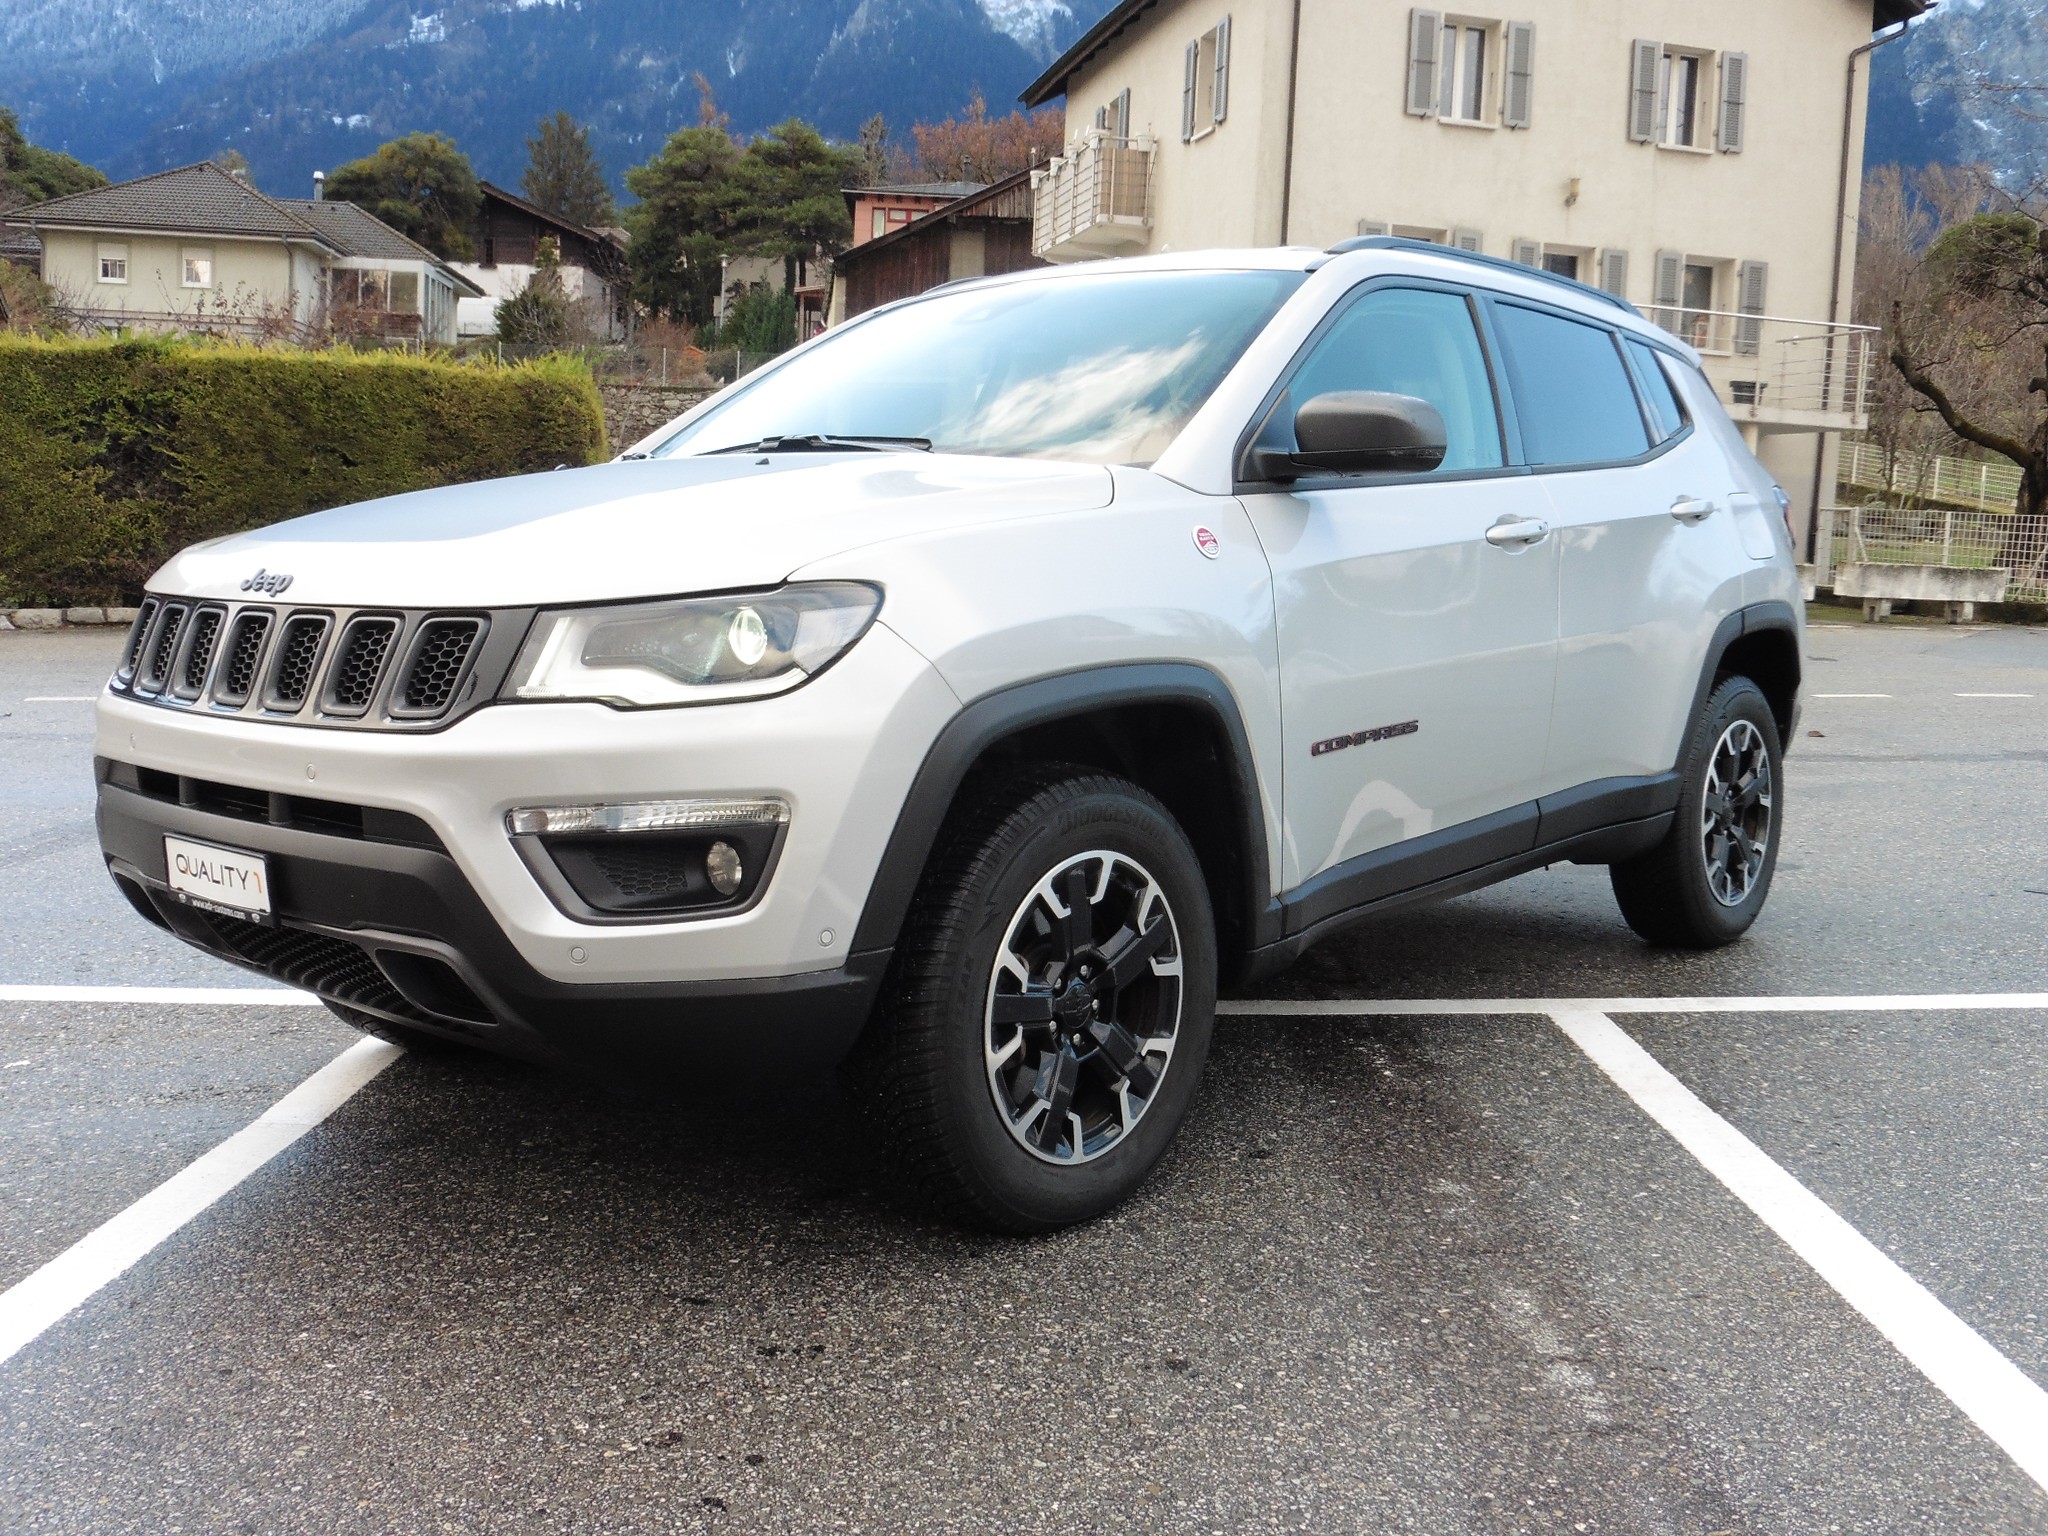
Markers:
{"x": 1971, "y": 540}
{"x": 1988, "y": 484}
{"x": 668, "y": 367}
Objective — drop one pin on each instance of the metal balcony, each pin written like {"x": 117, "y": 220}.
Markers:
{"x": 1095, "y": 200}
{"x": 1780, "y": 375}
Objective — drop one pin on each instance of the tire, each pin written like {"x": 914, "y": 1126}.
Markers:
{"x": 1706, "y": 882}
{"x": 1000, "y": 1013}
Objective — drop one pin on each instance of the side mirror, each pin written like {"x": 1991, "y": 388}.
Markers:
{"x": 1354, "y": 432}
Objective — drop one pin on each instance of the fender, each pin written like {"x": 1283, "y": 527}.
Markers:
{"x": 995, "y": 716}
{"x": 1754, "y": 619}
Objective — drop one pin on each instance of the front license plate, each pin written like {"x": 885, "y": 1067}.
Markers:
{"x": 218, "y": 879}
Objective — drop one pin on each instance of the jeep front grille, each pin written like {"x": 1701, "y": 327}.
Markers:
{"x": 298, "y": 654}
{"x": 359, "y": 669}
{"x": 439, "y": 657}
{"x": 358, "y": 664}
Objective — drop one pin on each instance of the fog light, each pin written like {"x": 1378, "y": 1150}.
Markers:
{"x": 722, "y": 864}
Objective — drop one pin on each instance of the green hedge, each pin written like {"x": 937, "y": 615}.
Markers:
{"x": 116, "y": 454}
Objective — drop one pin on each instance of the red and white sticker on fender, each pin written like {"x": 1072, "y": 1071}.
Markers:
{"x": 1207, "y": 542}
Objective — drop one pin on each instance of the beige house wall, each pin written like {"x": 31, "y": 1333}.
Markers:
{"x": 251, "y": 278}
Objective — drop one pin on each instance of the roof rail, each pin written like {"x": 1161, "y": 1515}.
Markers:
{"x": 1430, "y": 247}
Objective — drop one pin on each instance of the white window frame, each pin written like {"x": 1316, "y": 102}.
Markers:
{"x": 1585, "y": 256}
{"x": 187, "y": 256}
{"x": 1209, "y": 64}
{"x": 1705, "y": 98}
{"x": 1456, "y": 88}
{"x": 113, "y": 253}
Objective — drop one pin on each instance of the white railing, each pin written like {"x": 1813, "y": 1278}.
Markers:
{"x": 1964, "y": 540}
{"x": 1095, "y": 200}
{"x": 1771, "y": 369}
{"x": 1986, "y": 484}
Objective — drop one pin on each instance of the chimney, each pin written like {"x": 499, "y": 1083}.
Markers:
{"x": 319, "y": 185}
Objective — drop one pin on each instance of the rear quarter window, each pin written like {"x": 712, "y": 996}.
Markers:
{"x": 1666, "y": 414}
{"x": 1572, "y": 391}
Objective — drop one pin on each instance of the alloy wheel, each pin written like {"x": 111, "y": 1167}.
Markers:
{"x": 1735, "y": 813}
{"x": 1084, "y": 1005}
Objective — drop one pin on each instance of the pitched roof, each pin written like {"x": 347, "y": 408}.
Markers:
{"x": 191, "y": 199}
{"x": 355, "y": 231}
{"x": 595, "y": 236}
{"x": 982, "y": 200}
{"x": 919, "y": 189}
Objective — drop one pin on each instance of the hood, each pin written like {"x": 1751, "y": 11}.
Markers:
{"x": 641, "y": 528}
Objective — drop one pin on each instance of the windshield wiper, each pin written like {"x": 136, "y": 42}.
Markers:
{"x": 824, "y": 442}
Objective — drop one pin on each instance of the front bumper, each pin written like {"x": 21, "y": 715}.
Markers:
{"x": 396, "y": 931}
{"x": 841, "y": 752}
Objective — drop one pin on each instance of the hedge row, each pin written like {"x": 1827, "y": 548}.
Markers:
{"x": 116, "y": 454}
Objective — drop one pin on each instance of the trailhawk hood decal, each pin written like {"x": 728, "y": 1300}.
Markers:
{"x": 644, "y": 528}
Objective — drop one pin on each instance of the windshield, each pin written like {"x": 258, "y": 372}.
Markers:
{"x": 1105, "y": 369}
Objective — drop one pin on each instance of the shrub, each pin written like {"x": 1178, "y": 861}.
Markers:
{"x": 115, "y": 455}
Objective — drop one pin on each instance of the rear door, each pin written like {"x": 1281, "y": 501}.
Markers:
{"x": 1639, "y": 500}
{"x": 1417, "y": 655}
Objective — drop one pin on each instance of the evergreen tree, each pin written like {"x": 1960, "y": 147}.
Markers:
{"x": 421, "y": 185}
{"x": 563, "y": 174}
{"x": 682, "y": 224}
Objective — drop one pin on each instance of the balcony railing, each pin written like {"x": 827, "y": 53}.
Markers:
{"x": 1095, "y": 200}
{"x": 1780, "y": 373}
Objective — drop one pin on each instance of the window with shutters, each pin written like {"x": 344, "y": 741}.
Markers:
{"x": 1572, "y": 261}
{"x": 1673, "y": 105}
{"x": 1471, "y": 71}
{"x": 1207, "y": 88}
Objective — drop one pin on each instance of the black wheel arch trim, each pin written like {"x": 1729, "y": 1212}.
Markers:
{"x": 996, "y": 716}
{"x": 1756, "y": 618}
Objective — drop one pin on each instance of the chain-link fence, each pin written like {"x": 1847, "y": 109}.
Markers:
{"x": 1970, "y": 540}
{"x": 665, "y": 367}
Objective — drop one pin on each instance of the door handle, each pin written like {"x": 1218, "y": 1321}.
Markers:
{"x": 1693, "y": 509}
{"x": 1517, "y": 532}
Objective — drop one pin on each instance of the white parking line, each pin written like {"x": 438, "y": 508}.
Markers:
{"x": 1999, "y": 1398}
{"x": 1994, "y": 695}
{"x": 109, "y": 1251}
{"x": 60, "y": 698}
{"x": 1382, "y": 1008}
{"x": 276, "y": 997}
{"x": 1852, "y": 695}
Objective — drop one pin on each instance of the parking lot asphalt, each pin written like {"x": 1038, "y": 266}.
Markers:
{"x": 1422, "y": 1272}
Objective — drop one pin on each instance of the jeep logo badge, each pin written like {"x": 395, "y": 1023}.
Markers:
{"x": 263, "y": 581}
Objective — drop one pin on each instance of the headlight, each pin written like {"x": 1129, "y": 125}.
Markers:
{"x": 696, "y": 650}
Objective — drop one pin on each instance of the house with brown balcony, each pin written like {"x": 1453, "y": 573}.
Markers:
{"x": 1703, "y": 162}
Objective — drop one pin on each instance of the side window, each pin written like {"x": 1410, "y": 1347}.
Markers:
{"x": 1572, "y": 393}
{"x": 1667, "y": 416}
{"x": 1412, "y": 341}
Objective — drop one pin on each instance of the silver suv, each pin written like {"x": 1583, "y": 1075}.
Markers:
{"x": 971, "y": 693}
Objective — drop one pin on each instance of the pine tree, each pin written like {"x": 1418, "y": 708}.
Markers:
{"x": 539, "y": 314}
{"x": 563, "y": 174}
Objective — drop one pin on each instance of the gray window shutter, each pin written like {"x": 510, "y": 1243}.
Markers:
{"x": 1751, "y": 279}
{"x": 1425, "y": 35}
{"x": 1374, "y": 227}
{"x": 1121, "y": 122}
{"x": 1528, "y": 252}
{"x": 1614, "y": 273}
{"x": 1734, "y": 101}
{"x": 1102, "y": 117}
{"x": 1187, "y": 95}
{"x": 1521, "y": 74}
{"x": 1642, "y": 103}
{"x": 1466, "y": 239}
{"x": 1222, "y": 68}
{"x": 1670, "y": 288}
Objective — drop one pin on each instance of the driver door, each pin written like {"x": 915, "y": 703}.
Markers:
{"x": 1418, "y": 655}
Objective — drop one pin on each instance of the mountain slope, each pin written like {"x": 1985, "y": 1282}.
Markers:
{"x": 1966, "y": 87}
{"x": 302, "y": 84}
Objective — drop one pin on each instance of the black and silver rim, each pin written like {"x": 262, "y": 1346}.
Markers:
{"x": 1084, "y": 1006}
{"x": 1735, "y": 815}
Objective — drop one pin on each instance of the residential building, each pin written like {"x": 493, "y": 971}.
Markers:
{"x": 1702, "y": 162}
{"x": 984, "y": 232}
{"x": 880, "y": 210}
{"x": 199, "y": 249}
{"x": 505, "y": 241}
